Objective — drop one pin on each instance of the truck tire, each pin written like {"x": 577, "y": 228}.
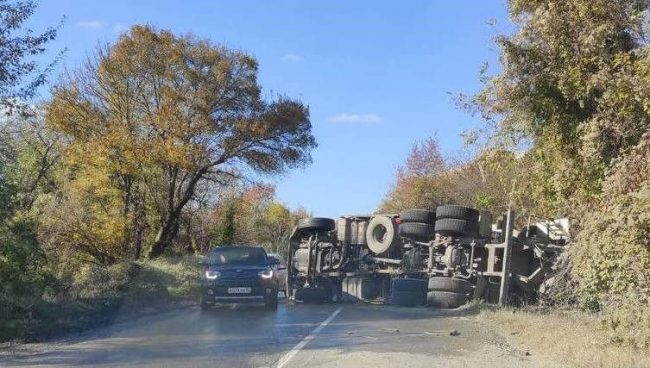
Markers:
{"x": 450, "y": 284}
{"x": 417, "y": 231}
{"x": 409, "y": 285}
{"x": 446, "y": 299}
{"x": 417, "y": 215}
{"x": 316, "y": 224}
{"x": 448, "y": 226}
{"x": 381, "y": 234}
{"x": 312, "y": 295}
{"x": 407, "y": 298}
{"x": 457, "y": 212}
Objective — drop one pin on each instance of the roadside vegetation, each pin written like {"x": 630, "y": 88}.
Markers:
{"x": 568, "y": 337}
{"x": 566, "y": 133}
{"x": 140, "y": 159}
{"x": 146, "y": 156}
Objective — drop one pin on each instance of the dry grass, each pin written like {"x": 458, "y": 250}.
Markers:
{"x": 572, "y": 338}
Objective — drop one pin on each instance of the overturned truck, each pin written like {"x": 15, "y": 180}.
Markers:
{"x": 440, "y": 258}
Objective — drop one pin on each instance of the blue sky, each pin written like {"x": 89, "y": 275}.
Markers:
{"x": 375, "y": 74}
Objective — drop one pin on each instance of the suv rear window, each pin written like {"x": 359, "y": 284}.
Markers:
{"x": 247, "y": 256}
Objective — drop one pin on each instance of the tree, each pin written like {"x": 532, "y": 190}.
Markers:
{"x": 574, "y": 86}
{"x": 493, "y": 180}
{"x": 23, "y": 165}
{"x": 414, "y": 187}
{"x": 19, "y": 73}
{"x": 254, "y": 216}
{"x": 172, "y": 112}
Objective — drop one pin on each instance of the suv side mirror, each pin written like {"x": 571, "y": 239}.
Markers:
{"x": 203, "y": 261}
{"x": 274, "y": 261}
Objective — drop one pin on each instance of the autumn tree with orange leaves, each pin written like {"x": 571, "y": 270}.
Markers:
{"x": 154, "y": 118}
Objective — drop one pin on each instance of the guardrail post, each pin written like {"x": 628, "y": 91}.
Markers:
{"x": 507, "y": 253}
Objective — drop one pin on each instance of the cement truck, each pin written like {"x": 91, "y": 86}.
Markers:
{"x": 441, "y": 258}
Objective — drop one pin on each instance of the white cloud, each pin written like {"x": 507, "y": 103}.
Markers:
{"x": 119, "y": 28}
{"x": 356, "y": 118}
{"x": 292, "y": 58}
{"x": 92, "y": 24}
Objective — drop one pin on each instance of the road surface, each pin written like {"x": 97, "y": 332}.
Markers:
{"x": 329, "y": 335}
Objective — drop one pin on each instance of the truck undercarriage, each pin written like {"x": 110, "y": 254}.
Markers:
{"x": 443, "y": 258}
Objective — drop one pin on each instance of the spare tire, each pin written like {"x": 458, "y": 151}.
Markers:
{"x": 448, "y": 226}
{"x": 381, "y": 234}
{"x": 417, "y": 231}
{"x": 457, "y": 212}
{"x": 316, "y": 224}
{"x": 446, "y": 299}
{"x": 450, "y": 284}
{"x": 417, "y": 215}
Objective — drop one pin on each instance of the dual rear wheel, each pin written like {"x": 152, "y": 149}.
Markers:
{"x": 422, "y": 225}
{"x": 448, "y": 292}
{"x": 442, "y": 292}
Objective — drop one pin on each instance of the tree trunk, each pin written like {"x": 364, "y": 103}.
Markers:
{"x": 164, "y": 238}
{"x": 169, "y": 229}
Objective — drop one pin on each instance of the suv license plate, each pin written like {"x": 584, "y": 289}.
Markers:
{"x": 239, "y": 290}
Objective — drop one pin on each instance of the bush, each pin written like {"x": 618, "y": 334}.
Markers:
{"x": 23, "y": 278}
{"x": 139, "y": 282}
{"x": 95, "y": 295}
{"x": 180, "y": 275}
{"x": 612, "y": 251}
{"x": 97, "y": 281}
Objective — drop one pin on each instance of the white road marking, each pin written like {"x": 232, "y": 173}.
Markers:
{"x": 287, "y": 357}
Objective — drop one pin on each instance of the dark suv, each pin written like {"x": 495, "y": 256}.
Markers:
{"x": 239, "y": 274}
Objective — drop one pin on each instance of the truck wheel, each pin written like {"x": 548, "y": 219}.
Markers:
{"x": 409, "y": 285}
{"x": 448, "y": 226}
{"x": 450, "y": 284}
{"x": 312, "y": 295}
{"x": 407, "y": 298}
{"x": 457, "y": 212}
{"x": 446, "y": 299}
{"x": 381, "y": 234}
{"x": 417, "y": 231}
{"x": 418, "y": 215}
{"x": 316, "y": 224}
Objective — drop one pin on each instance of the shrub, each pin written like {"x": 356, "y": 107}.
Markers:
{"x": 612, "y": 251}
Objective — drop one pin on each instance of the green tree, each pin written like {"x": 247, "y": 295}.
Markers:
{"x": 253, "y": 215}
{"x": 574, "y": 87}
{"x": 162, "y": 115}
{"x": 20, "y": 76}
{"x": 25, "y": 164}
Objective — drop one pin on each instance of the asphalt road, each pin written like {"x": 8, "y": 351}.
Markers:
{"x": 330, "y": 335}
